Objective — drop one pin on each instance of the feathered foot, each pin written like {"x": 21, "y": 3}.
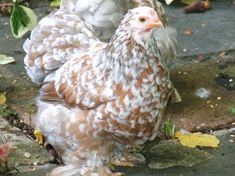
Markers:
{"x": 128, "y": 160}
{"x": 72, "y": 170}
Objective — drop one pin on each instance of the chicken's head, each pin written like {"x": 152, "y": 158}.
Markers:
{"x": 140, "y": 23}
{"x": 143, "y": 19}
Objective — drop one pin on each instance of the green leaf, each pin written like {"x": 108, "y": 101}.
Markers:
{"x": 55, "y": 3}
{"x": 232, "y": 111}
{"x": 22, "y": 20}
{"x": 6, "y": 59}
{"x": 4, "y": 112}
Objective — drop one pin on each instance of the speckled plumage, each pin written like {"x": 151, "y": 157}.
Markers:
{"x": 105, "y": 97}
{"x": 63, "y": 33}
{"x": 53, "y": 41}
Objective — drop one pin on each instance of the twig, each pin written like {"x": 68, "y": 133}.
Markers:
{"x": 6, "y": 4}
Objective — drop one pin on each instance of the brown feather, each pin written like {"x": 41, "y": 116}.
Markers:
{"x": 48, "y": 93}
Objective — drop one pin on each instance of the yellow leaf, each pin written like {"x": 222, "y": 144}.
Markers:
{"x": 3, "y": 99}
{"x": 39, "y": 136}
{"x": 197, "y": 139}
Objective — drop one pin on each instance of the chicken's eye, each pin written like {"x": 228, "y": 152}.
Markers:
{"x": 142, "y": 19}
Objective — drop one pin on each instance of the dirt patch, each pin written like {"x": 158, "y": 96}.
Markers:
{"x": 194, "y": 113}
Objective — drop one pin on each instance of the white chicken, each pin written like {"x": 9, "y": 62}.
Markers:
{"x": 105, "y": 15}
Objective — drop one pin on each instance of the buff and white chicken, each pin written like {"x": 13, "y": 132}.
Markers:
{"x": 98, "y": 98}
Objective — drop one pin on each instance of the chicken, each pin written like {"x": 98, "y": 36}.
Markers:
{"x": 105, "y": 15}
{"x": 96, "y": 103}
{"x": 57, "y": 36}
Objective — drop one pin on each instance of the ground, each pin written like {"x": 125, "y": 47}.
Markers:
{"x": 206, "y": 59}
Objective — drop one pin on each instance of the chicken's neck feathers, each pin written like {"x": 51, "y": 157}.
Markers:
{"x": 124, "y": 58}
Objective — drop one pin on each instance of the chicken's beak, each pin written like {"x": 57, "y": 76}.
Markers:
{"x": 155, "y": 24}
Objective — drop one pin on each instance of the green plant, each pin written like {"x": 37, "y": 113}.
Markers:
{"x": 22, "y": 19}
{"x": 5, "y": 112}
{"x": 169, "y": 129}
{"x": 232, "y": 111}
{"x": 55, "y": 3}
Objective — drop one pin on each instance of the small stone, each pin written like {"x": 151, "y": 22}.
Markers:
{"x": 211, "y": 106}
{"x": 185, "y": 73}
{"x": 27, "y": 155}
{"x": 208, "y": 102}
{"x": 179, "y": 72}
{"x": 203, "y": 25}
{"x": 219, "y": 98}
{"x": 232, "y": 135}
{"x": 184, "y": 50}
{"x": 230, "y": 80}
{"x": 35, "y": 163}
{"x": 231, "y": 140}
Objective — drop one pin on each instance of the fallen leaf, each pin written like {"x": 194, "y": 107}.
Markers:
{"x": 222, "y": 54}
{"x": 39, "y": 136}
{"x": 169, "y": 1}
{"x": 188, "y": 32}
{"x": 188, "y": 1}
{"x": 4, "y": 59}
{"x": 197, "y": 139}
{"x": 4, "y": 152}
{"x": 3, "y": 99}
